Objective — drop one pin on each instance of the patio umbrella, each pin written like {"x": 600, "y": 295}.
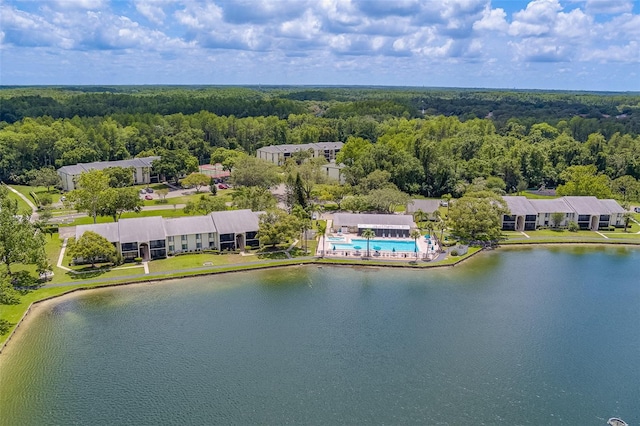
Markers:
{"x": 393, "y": 249}
{"x": 357, "y": 247}
{"x": 334, "y": 247}
{"x": 376, "y": 248}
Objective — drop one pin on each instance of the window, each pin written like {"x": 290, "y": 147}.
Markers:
{"x": 184, "y": 246}
{"x": 199, "y": 245}
{"x": 211, "y": 235}
{"x": 170, "y": 239}
{"x": 198, "y": 237}
{"x": 183, "y": 238}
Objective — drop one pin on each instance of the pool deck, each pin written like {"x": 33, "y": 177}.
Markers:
{"x": 425, "y": 252}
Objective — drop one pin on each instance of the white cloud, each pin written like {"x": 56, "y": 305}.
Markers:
{"x": 536, "y": 20}
{"x": 492, "y": 20}
{"x": 541, "y": 50}
{"x": 79, "y": 4}
{"x": 609, "y": 7}
{"x": 629, "y": 53}
{"x": 151, "y": 10}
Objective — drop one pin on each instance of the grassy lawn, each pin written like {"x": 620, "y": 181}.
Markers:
{"x": 197, "y": 260}
{"x": 39, "y": 190}
{"x": 22, "y": 205}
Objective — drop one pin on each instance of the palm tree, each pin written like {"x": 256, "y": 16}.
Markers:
{"x": 429, "y": 227}
{"x": 368, "y": 234}
{"x": 418, "y": 217}
{"x": 442, "y": 225}
{"x": 322, "y": 229}
{"x": 415, "y": 234}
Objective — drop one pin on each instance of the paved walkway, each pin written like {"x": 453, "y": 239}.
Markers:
{"x": 34, "y": 209}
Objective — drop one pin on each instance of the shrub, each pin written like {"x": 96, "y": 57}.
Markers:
{"x": 454, "y": 253}
{"x": 137, "y": 260}
{"x": 573, "y": 227}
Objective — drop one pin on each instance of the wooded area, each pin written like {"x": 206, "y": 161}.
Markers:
{"x": 431, "y": 141}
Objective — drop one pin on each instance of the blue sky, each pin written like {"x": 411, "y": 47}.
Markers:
{"x": 539, "y": 44}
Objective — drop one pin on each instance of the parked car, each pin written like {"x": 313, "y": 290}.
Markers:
{"x": 63, "y": 198}
{"x": 636, "y": 209}
{"x": 150, "y": 190}
{"x": 223, "y": 186}
{"x": 143, "y": 191}
{"x": 148, "y": 197}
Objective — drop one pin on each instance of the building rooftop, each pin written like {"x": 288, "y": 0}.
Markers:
{"x": 235, "y": 221}
{"x": 320, "y": 146}
{"x": 427, "y": 206}
{"x": 355, "y": 219}
{"x": 141, "y": 229}
{"x": 107, "y": 230}
{"x": 76, "y": 169}
{"x": 189, "y": 225}
{"x": 519, "y": 205}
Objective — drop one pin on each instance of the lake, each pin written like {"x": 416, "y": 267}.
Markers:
{"x": 525, "y": 336}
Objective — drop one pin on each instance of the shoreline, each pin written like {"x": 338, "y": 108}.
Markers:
{"x": 24, "y": 319}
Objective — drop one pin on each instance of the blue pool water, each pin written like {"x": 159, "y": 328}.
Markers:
{"x": 385, "y": 245}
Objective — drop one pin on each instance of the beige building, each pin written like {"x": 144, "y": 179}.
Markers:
{"x": 141, "y": 169}
{"x": 278, "y": 154}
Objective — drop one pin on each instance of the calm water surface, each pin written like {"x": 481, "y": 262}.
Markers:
{"x": 527, "y": 336}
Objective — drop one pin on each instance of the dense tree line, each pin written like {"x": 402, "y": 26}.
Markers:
{"x": 464, "y": 135}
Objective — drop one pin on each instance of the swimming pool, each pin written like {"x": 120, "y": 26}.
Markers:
{"x": 385, "y": 245}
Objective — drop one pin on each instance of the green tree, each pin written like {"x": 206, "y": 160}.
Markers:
{"x": 198, "y": 180}
{"x": 115, "y": 201}
{"x": 175, "y": 163}
{"x": 20, "y": 240}
{"x": 205, "y": 205}
{"x": 584, "y": 180}
{"x": 252, "y": 171}
{"x": 91, "y": 247}
{"x": 277, "y": 227}
{"x": 335, "y": 193}
{"x": 321, "y": 226}
{"x": 162, "y": 194}
{"x": 304, "y": 222}
{"x": 255, "y": 198}
{"x": 120, "y": 177}
{"x": 626, "y": 186}
{"x": 368, "y": 234}
{"x": 46, "y": 177}
{"x": 627, "y": 220}
{"x": 477, "y": 216}
{"x": 91, "y": 187}
{"x": 356, "y": 203}
{"x": 415, "y": 234}
{"x": 8, "y": 294}
{"x": 387, "y": 199}
{"x": 213, "y": 188}
{"x": 556, "y": 219}
{"x": 226, "y": 157}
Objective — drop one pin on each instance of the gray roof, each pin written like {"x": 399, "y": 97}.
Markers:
{"x": 141, "y": 229}
{"x": 107, "y": 230}
{"x": 519, "y": 205}
{"x": 320, "y": 146}
{"x": 556, "y": 205}
{"x": 354, "y": 219}
{"x": 427, "y": 206}
{"x": 612, "y": 206}
{"x": 586, "y": 205}
{"x": 189, "y": 225}
{"x": 76, "y": 169}
{"x": 235, "y": 221}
